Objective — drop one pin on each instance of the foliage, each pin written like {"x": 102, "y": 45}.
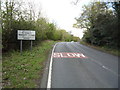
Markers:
{"x": 101, "y": 24}
{"x": 16, "y": 17}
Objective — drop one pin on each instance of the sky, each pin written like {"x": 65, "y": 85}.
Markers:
{"x": 62, "y": 13}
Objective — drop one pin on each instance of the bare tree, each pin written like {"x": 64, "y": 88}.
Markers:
{"x": 75, "y": 2}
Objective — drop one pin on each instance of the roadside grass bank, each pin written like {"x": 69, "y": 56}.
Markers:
{"x": 103, "y": 48}
{"x": 24, "y": 71}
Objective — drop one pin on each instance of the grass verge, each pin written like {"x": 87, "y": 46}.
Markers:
{"x": 103, "y": 48}
{"x": 23, "y": 71}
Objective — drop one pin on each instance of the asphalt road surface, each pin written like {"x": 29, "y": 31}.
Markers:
{"x": 78, "y": 66}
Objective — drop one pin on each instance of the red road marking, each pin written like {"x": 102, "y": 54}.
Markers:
{"x": 68, "y": 55}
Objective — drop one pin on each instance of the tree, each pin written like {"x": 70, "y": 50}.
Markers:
{"x": 51, "y": 30}
{"x": 94, "y": 19}
{"x": 16, "y": 17}
{"x": 116, "y": 6}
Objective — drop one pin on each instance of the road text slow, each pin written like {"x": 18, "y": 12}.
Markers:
{"x": 68, "y": 55}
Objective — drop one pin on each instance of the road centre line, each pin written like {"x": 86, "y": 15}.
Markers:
{"x": 103, "y": 66}
{"x": 97, "y": 62}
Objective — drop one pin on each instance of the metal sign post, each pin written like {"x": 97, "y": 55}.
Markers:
{"x": 31, "y": 45}
{"x": 25, "y": 35}
{"x": 21, "y": 46}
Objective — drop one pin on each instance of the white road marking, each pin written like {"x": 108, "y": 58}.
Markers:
{"x": 104, "y": 67}
{"x": 110, "y": 70}
{"x": 68, "y": 55}
{"x": 50, "y": 69}
{"x": 61, "y": 54}
{"x": 82, "y": 55}
{"x": 97, "y": 62}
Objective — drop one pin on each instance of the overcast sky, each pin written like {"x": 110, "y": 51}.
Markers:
{"x": 62, "y": 13}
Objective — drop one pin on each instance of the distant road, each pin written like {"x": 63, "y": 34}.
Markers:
{"x": 78, "y": 66}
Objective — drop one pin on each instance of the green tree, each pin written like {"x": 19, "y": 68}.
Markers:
{"x": 94, "y": 19}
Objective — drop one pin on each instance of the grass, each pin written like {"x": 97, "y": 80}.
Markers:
{"x": 103, "y": 48}
{"x": 23, "y": 71}
{"x": 0, "y": 73}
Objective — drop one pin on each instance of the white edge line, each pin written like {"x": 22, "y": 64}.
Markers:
{"x": 50, "y": 69}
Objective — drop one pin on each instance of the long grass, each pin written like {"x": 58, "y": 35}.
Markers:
{"x": 23, "y": 71}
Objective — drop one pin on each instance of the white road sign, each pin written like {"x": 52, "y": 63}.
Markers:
{"x": 26, "y": 35}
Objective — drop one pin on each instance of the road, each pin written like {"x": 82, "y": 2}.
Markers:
{"x": 77, "y": 66}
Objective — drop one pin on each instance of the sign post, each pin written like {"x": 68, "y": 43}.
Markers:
{"x": 25, "y": 35}
{"x": 31, "y": 45}
{"x": 21, "y": 46}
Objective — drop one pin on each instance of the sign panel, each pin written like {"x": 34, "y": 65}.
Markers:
{"x": 26, "y": 35}
{"x": 68, "y": 55}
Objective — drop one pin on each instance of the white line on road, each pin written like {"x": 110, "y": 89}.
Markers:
{"x": 103, "y": 66}
{"x": 50, "y": 69}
